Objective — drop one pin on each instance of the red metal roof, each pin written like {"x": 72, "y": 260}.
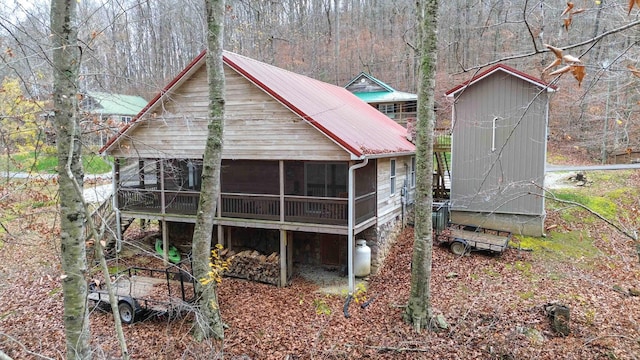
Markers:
{"x": 501, "y": 67}
{"x": 336, "y": 112}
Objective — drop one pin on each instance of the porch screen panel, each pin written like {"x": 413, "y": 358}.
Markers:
{"x": 326, "y": 180}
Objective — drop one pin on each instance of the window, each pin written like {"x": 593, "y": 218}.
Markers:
{"x": 125, "y": 119}
{"x": 413, "y": 172}
{"x": 387, "y": 109}
{"x": 392, "y": 177}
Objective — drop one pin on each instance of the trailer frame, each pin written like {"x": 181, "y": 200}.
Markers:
{"x": 134, "y": 291}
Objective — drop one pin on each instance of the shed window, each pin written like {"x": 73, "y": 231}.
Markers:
{"x": 392, "y": 177}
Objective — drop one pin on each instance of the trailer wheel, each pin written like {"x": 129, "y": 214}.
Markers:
{"x": 127, "y": 315}
{"x": 458, "y": 247}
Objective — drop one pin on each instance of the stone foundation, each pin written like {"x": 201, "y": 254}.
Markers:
{"x": 380, "y": 241}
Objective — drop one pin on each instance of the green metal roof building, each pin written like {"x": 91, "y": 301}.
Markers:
{"x": 113, "y": 105}
{"x": 397, "y": 105}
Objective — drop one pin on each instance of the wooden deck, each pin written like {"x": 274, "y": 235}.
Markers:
{"x": 298, "y": 209}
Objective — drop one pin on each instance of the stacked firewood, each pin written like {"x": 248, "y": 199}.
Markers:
{"x": 251, "y": 265}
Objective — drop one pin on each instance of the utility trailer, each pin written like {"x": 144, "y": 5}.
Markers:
{"x": 151, "y": 291}
{"x": 464, "y": 238}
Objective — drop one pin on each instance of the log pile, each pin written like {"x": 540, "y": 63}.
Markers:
{"x": 251, "y": 265}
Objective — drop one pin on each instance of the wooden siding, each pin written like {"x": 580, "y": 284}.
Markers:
{"x": 500, "y": 180}
{"x": 364, "y": 84}
{"x": 390, "y": 206}
{"x": 256, "y": 126}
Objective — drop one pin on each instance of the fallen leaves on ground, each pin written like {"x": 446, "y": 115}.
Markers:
{"x": 494, "y": 305}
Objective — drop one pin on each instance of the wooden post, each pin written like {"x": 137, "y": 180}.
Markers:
{"x": 220, "y": 233}
{"x": 281, "y": 191}
{"x": 165, "y": 242}
{"x": 283, "y": 258}
{"x": 162, "y": 199}
{"x": 289, "y": 254}
{"x": 165, "y": 231}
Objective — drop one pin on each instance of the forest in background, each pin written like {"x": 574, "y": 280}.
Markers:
{"x": 136, "y": 46}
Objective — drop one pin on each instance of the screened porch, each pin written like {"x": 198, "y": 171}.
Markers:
{"x": 275, "y": 191}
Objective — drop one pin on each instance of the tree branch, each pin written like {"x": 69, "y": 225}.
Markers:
{"x": 573, "y": 46}
{"x": 633, "y": 236}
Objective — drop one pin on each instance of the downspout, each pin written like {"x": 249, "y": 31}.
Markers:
{"x": 350, "y": 221}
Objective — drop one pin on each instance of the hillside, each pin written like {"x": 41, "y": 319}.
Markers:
{"x": 493, "y": 304}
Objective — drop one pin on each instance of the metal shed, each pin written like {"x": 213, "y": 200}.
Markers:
{"x": 499, "y": 132}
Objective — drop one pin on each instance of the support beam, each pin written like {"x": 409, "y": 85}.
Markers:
{"x": 163, "y": 210}
{"x": 165, "y": 242}
{"x": 281, "y": 164}
{"x": 283, "y": 258}
{"x": 289, "y": 254}
{"x": 220, "y": 229}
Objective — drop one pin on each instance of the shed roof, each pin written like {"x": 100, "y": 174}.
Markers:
{"x": 116, "y": 104}
{"x": 337, "y": 113}
{"x": 506, "y": 69}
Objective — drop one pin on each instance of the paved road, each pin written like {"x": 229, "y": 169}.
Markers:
{"x": 98, "y": 193}
{"x": 559, "y": 168}
{"x": 91, "y": 194}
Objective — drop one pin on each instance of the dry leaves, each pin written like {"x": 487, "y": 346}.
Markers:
{"x": 574, "y": 64}
{"x": 494, "y": 305}
{"x": 631, "y": 4}
{"x": 633, "y": 70}
{"x": 569, "y": 10}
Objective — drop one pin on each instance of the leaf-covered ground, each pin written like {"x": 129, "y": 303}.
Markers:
{"x": 493, "y": 304}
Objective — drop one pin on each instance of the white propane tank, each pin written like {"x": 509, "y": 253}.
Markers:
{"x": 362, "y": 259}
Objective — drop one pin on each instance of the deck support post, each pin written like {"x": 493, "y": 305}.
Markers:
{"x": 220, "y": 230}
{"x": 165, "y": 231}
{"x": 289, "y": 254}
{"x": 283, "y": 258}
{"x": 165, "y": 242}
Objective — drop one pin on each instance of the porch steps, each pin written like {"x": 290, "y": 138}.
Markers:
{"x": 441, "y": 176}
{"x": 105, "y": 219}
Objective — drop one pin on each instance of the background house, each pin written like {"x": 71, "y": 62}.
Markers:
{"x": 306, "y": 166}
{"x": 107, "y": 113}
{"x": 499, "y": 137}
{"x": 397, "y": 105}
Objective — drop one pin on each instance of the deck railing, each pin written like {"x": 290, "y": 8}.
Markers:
{"x": 304, "y": 209}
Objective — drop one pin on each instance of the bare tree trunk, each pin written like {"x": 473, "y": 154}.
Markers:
{"x": 419, "y": 312}
{"x": 66, "y": 62}
{"x": 211, "y": 323}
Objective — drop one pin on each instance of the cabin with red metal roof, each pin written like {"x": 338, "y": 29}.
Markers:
{"x": 307, "y": 167}
{"x": 498, "y": 153}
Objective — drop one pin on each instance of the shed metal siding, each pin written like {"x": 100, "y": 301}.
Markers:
{"x": 504, "y": 180}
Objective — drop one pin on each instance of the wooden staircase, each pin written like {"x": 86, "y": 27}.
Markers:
{"x": 106, "y": 220}
{"x": 442, "y": 173}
